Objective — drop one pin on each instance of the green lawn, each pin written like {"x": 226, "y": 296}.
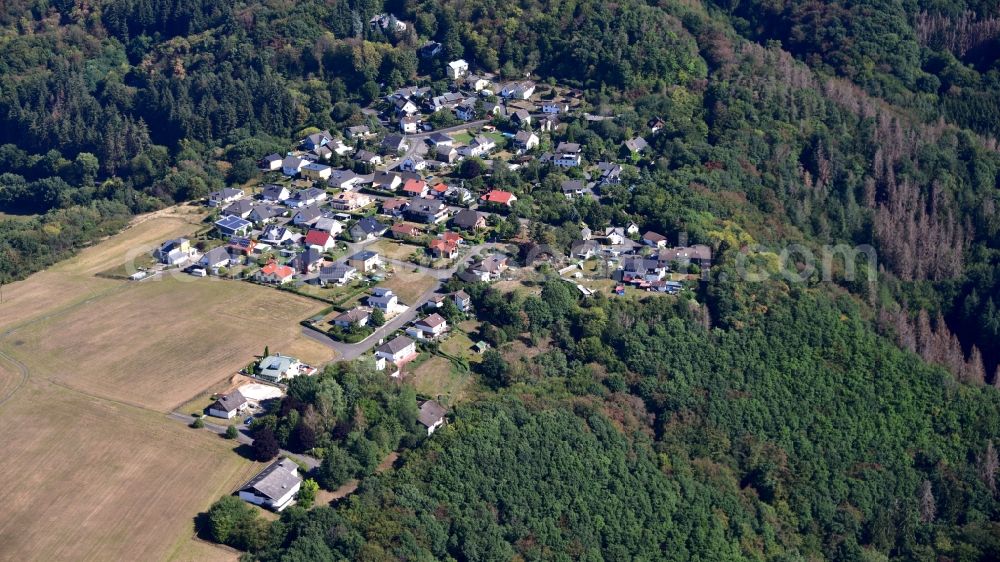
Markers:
{"x": 438, "y": 378}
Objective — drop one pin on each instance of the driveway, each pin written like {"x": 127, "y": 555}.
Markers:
{"x": 243, "y": 437}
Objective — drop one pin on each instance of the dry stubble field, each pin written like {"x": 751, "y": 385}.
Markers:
{"x": 95, "y": 470}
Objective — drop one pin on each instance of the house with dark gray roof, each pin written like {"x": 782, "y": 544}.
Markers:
{"x": 431, "y": 415}
{"x": 397, "y": 351}
{"x": 275, "y": 486}
{"x": 228, "y": 406}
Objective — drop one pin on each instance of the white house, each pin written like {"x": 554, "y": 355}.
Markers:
{"x": 275, "y": 486}
{"x": 554, "y": 107}
{"x": 175, "y": 252}
{"x": 408, "y": 124}
{"x": 457, "y": 69}
{"x": 431, "y": 415}
{"x": 277, "y": 367}
{"x": 216, "y": 257}
{"x": 567, "y": 155}
{"x": 224, "y": 197}
{"x": 228, "y": 406}
{"x": 396, "y": 351}
{"x": 383, "y": 299}
{"x": 292, "y": 165}
{"x": 429, "y": 327}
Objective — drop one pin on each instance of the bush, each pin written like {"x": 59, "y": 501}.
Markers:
{"x": 232, "y": 432}
{"x": 198, "y": 423}
{"x": 265, "y": 445}
{"x": 307, "y": 493}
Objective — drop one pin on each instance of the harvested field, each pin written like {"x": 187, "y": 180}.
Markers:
{"x": 395, "y": 250}
{"x": 159, "y": 342}
{"x": 437, "y": 377}
{"x": 102, "y": 481}
{"x": 408, "y": 285}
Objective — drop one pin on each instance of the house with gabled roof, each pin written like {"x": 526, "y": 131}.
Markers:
{"x": 499, "y": 197}
{"x": 316, "y": 140}
{"x": 654, "y": 239}
{"x": 275, "y": 193}
{"x": 357, "y": 132}
{"x": 278, "y": 367}
{"x": 225, "y": 196}
{"x": 233, "y": 226}
{"x": 177, "y": 251}
{"x": 467, "y": 219}
{"x": 636, "y": 145}
{"x": 307, "y": 216}
{"x": 292, "y": 165}
{"x": 394, "y": 144}
{"x": 274, "y": 487}
{"x": 397, "y": 351}
{"x": 387, "y": 181}
{"x": 229, "y": 406}
{"x": 457, "y": 69}
{"x": 270, "y": 163}
{"x": 338, "y": 273}
{"x": 427, "y": 211}
{"x": 367, "y": 229}
{"x": 274, "y": 273}
{"x": 404, "y": 231}
{"x": 357, "y": 316}
{"x": 239, "y": 208}
{"x": 428, "y": 328}
{"x": 319, "y": 239}
{"x": 349, "y": 201}
{"x": 526, "y": 140}
{"x": 308, "y": 261}
{"x": 573, "y": 188}
{"x": 431, "y": 415}
{"x": 365, "y": 261}
{"x": 277, "y": 235}
{"x": 215, "y": 258}
{"x": 415, "y": 188}
{"x": 368, "y": 157}
{"x": 263, "y": 213}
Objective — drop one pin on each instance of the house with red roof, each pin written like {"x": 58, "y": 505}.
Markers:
{"x": 442, "y": 248}
{"x": 415, "y": 188}
{"x": 403, "y": 231}
{"x": 274, "y": 273}
{"x": 320, "y": 240}
{"x": 499, "y": 197}
{"x": 439, "y": 189}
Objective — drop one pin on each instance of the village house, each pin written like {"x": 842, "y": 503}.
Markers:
{"x": 319, "y": 240}
{"x": 440, "y": 139}
{"x": 499, "y": 197}
{"x": 215, "y": 258}
{"x": 457, "y": 69}
{"x": 367, "y": 229}
{"x": 239, "y": 208}
{"x": 175, "y": 252}
{"x": 466, "y": 111}
{"x": 394, "y": 144}
{"x": 345, "y": 180}
{"x": 428, "y": 211}
{"x": 262, "y": 213}
{"x": 415, "y": 188}
{"x": 338, "y": 274}
{"x": 518, "y": 90}
{"x": 548, "y": 123}
{"x": 387, "y": 22}
{"x": 365, "y": 261}
{"x": 567, "y": 155}
{"x": 307, "y": 216}
{"x": 458, "y": 195}
{"x": 349, "y": 201}
{"x": 555, "y": 107}
{"x": 278, "y": 235}
{"x": 430, "y": 50}
{"x": 408, "y": 124}
{"x": 462, "y": 300}
{"x": 386, "y": 181}
{"x": 477, "y": 147}
{"x": 397, "y": 351}
{"x": 640, "y": 270}
{"x": 428, "y": 328}
{"x": 521, "y": 118}
{"x": 383, "y": 299}
{"x": 404, "y": 231}
{"x": 654, "y": 239}
{"x": 656, "y": 125}
{"x": 585, "y": 249}
{"x": 413, "y": 163}
{"x": 275, "y": 486}
{"x": 446, "y": 153}
{"x": 241, "y": 246}
{"x": 444, "y": 101}
{"x": 431, "y": 415}
{"x": 698, "y": 254}
{"x": 526, "y": 140}
{"x": 573, "y": 188}
{"x": 356, "y": 316}
{"x": 275, "y": 193}
{"x": 357, "y": 132}
{"x": 275, "y": 274}
{"x": 476, "y": 83}
{"x": 306, "y": 197}
{"x": 308, "y": 261}
{"x": 229, "y": 406}
{"x": 291, "y": 165}
{"x": 467, "y": 219}
{"x": 490, "y": 268}
{"x": 233, "y": 226}
{"x": 394, "y": 207}
{"x": 368, "y": 157}
{"x": 316, "y": 140}
{"x": 443, "y": 248}
{"x": 225, "y": 196}
{"x": 270, "y": 163}
{"x": 439, "y": 190}
{"x": 329, "y": 224}
{"x": 404, "y": 107}
{"x": 278, "y": 367}
{"x": 316, "y": 172}
{"x": 636, "y": 145}
{"x": 611, "y": 173}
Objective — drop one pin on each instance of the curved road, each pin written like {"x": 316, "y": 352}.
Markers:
{"x": 351, "y": 351}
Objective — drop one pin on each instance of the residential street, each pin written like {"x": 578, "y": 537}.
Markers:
{"x": 242, "y": 438}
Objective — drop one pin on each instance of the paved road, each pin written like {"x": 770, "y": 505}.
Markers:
{"x": 243, "y": 437}
{"x": 351, "y": 351}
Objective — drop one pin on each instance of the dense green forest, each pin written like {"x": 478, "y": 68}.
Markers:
{"x": 847, "y": 420}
